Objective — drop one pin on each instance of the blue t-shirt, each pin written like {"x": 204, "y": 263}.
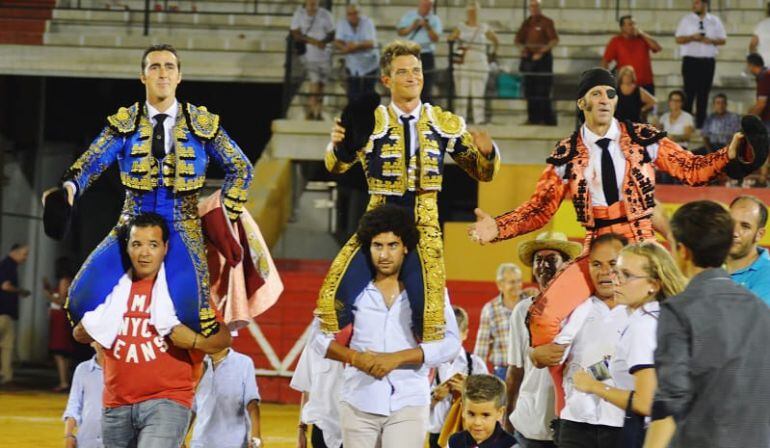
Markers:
{"x": 756, "y": 277}
{"x": 421, "y": 36}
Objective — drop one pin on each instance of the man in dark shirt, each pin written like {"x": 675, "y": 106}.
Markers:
{"x": 756, "y": 66}
{"x": 712, "y": 360}
{"x": 9, "y": 307}
{"x": 535, "y": 38}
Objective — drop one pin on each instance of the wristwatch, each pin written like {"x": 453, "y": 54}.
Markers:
{"x": 256, "y": 442}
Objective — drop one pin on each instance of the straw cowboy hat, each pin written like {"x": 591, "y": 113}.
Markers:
{"x": 548, "y": 240}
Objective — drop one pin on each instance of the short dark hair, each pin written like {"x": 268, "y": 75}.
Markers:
{"x": 608, "y": 238}
{"x": 677, "y": 92}
{"x": 705, "y": 228}
{"x": 148, "y": 219}
{"x": 761, "y": 205}
{"x": 17, "y": 246}
{"x": 481, "y": 388}
{"x": 461, "y": 316}
{"x": 161, "y": 47}
{"x": 721, "y": 95}
{"x": 388, "y": 218}
{"x": 623, "y": 19}
{"x": 755, "y": 59}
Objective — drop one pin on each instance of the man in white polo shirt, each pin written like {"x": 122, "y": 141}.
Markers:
{"x": 386, "y": 391}
{"x": 699, "y": 34}
{"x": 592, "y": 333}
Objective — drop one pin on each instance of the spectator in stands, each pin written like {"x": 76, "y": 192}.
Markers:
{"x": 149, "y": 380}
{"x": 536, "y": 38}
{"x": 483, "y": 408}
{"x": 225, "y": 411}
{"x": 719, "y": 127}
{"x": 312, "y": 28}
{"x": 591, "y": 334}
{"x": 383, "y": 403}
{"x": 699, "y": 34}
{"x": 356, "y": 38}
{"x": 645, "y": 275}
{"x": 761, "y": 108}
{"x": 9, "y": 307}
{"x": 530, "y": 391}
{"x": 84, "y": 406}
{"x": 450, "y": 382}
{"x": 676, "y": 122}
{"x": 747, "y": 262}
{"x": 60, "y": 342}
{"x": 711, "y": 358}
{"x": 423, "y": 27}
{"x": 632, "y": 47}
{"x": 319, "y": 379}
{"x": 760, "y": 40}
{"x": 471, "y": 65}
{"x": 494, "y": 325}
{"x": 634, "y": 101}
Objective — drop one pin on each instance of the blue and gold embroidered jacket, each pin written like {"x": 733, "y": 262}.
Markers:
{"x": 198, "y": 137}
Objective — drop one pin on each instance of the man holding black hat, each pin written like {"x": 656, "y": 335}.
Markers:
{"x": 609, "y": 168}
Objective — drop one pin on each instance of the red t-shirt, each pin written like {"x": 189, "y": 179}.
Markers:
{"x": 763, "y": 90}
{"x": 143, "y": 366}
{"x": 634, "y": 52}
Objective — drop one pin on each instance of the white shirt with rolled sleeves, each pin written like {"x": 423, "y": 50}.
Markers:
{"x": 321, "y": 378}
{"x": 596, "y": 340}
{"x": 535, "y": 405}
{"x": 445, "y": 371}
{"x": 690, "y": 24}
{"x": 221, "y": 400}
{"x": 85, "y": 403}
{"x": 381, "y": 329}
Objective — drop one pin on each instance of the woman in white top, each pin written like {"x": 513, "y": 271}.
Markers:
{"x": 471, "y": 65}
{"x": 644, "y": 275}
{"x": 678, "y": 123}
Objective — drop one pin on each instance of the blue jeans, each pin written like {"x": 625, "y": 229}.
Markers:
{"x": 501, "y": 372}
{"x": 157, "y": 423}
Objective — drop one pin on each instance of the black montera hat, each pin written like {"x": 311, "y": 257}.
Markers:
{"x": 594, "y": 77}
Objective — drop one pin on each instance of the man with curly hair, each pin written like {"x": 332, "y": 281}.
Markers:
{"x": 385, "y": 393}
{"x": 609, "y": 167}
{"x": 401, "y": 148}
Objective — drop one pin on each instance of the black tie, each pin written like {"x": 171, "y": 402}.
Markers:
{"x": 407, "y": 137}
{"x": 609, "y": 178}
{"x": 159, "y": 137}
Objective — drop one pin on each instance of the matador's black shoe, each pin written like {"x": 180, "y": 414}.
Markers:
{"x": 57, "y": 212}
{"x": 752, "y": 153}
{"x": 358, "y": 121}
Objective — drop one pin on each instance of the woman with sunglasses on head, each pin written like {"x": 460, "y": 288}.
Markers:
{"x": 645, "y": 275}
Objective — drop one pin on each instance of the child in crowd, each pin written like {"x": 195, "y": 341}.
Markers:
{"x": 483, "y": 409}
{"x": 84, "y": 407}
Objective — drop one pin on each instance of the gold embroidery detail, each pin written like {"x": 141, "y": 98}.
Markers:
{"x": 124, "y": 120}
{"x": 446, "y": 123}
{"x": 431, "y": 252}
{"x": 204, "y": 123}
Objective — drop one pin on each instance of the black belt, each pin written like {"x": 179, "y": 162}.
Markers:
{"x": 601, "y": 223}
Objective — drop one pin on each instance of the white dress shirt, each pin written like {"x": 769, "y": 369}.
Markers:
{"x": 321, "y": 378}
{"x": 636, "y": 347}
{"x": 596, "y": 341}
{"x": 381, "y": 329}
{"x": 221, "y": 400}
{"x": 593, "y": 172}
{"x": 445, "y": 371}
{"x": 168, "y": 123}
{"x": 535, "y": 406}
{"x": 690, "y": 24}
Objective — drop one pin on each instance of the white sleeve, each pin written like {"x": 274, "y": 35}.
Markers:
{"x": 296, "y": 23}
{"x": 479, "y": 366}
{"x": 437, "y": 352}
{"x": 720, "y": 29}
{"x": 688, "y": 119}
{"x": 250, "y": 389}
{"x": 652, "y": 151}
{"x": 303, "y": 372}
{"x": 641, "y": 344}
{"x": 329, "y": 23}
{"x": 74, "y": 407}
{"x": 519, "y": 335}
{"x": 681, "y": 29}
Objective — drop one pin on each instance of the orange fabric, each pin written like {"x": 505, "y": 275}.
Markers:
{"x": 143, "y": 366}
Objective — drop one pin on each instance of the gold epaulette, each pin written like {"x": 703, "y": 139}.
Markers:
{"x": 125, "y": 120}
{"x": 446, "y": 123}
{"x": 381, "y": 122}
{"x": 203, "y": 123}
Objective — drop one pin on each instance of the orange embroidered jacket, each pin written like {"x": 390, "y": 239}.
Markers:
{"x": 565, "y": 174}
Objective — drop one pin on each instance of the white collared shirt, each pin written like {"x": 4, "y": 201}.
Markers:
{"x": 596, "y": 340}
{"x": 386, "y": 330}
{"x": 168, "y": 123}
{"x": 535, "y": 404}
{"x": 321, "y": 378}
{"x": 414, "y": 144}
{"x": 690, "y": 24}
{"x": 636, "y": 347}
{"x": 593, "y": 172}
